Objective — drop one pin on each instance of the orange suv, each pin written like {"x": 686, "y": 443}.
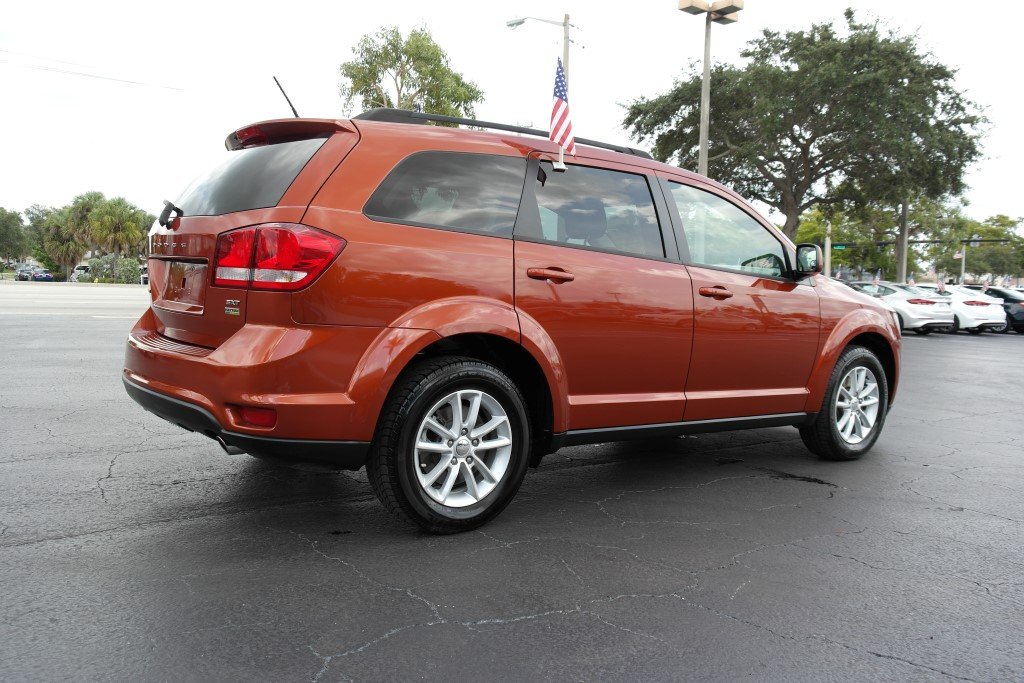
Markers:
{"x": 446, "y": 306}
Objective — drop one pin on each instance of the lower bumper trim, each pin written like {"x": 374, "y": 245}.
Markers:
{"x": 346, "y": 455}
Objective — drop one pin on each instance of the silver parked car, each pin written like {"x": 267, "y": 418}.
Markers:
{"x": 918, "y": 310}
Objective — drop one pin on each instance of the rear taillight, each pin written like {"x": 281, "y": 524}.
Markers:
{"x": 976, "y": 303}
{"x": 275, "y": 256}
{"x": 920, "y": 302}
{"x": 233, "y": 264}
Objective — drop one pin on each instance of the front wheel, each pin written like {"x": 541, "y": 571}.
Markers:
{"x": 853, "y": 412}
{"x": 452, "y": 446}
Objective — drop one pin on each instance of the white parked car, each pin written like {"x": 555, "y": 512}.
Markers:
{"x": 973, "y": 311}
{"x": 918, "y": 310}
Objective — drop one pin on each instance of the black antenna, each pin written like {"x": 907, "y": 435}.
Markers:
{"x": 286, "y": 97}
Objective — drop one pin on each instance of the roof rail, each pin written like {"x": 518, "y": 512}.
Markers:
{"x": 408, "y": 116}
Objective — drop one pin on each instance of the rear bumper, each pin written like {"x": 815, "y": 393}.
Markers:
{"x": 334, "y": 454}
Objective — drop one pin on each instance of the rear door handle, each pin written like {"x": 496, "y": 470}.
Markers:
{"x": 715, "y": 292}
{"x": 556, "y": 275}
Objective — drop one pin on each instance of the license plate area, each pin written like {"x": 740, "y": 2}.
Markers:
{"x": 179, "y": 286}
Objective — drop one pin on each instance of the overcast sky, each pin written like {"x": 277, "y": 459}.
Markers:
{"x": 178, "y": 77}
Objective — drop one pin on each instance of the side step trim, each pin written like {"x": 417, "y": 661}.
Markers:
{"x": 579, "y": 437}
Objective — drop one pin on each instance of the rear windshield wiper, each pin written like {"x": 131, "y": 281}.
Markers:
{"x": 165, "y": 215}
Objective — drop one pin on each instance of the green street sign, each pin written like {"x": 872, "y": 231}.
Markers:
{"x": 839, "y": 247}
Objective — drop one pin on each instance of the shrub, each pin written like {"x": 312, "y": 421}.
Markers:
{"x": 113, "y": 268}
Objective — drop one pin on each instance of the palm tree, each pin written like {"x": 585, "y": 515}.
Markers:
{"x": 62, "y": 241}
{"x": 118, "y": 226}
{"x": 78, "y": 217}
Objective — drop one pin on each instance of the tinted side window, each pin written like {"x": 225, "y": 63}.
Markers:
{"x": 253, "y": 178}
{"x": 594, "y": 207}
{"x": 476, "y": 192}
{"x": 720, "y": 234}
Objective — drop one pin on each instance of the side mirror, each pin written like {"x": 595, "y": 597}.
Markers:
{"x": 809, "y": 259}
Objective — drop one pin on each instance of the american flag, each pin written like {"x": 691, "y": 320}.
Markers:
{"x": 561, "y": 121}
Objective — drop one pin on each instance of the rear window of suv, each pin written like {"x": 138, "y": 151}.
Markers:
{"x": 253, "y": 178}
{"x": 456, "y": 190}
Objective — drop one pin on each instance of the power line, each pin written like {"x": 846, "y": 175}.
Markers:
{"x": 41, "y": 67}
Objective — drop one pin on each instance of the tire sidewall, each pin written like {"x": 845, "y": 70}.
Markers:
{"x": 857, "y": 357}
{"x": 481, "y": 377}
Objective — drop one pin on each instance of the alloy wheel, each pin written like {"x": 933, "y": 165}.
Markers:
{"x": 856, "y": 405}
{"x": 463, "y": 448}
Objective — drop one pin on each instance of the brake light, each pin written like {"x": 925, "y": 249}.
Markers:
{"x": 274, "y": 256}
{"x": 290, "y": 256}
{"x": 233, "y": 264}
{"x": 920, "y": 302}
{"x": 976, "y": 303}
{"x": 250, "y": 136}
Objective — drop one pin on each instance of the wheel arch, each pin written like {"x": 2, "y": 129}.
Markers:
{"x": 477, "y": 327}
{"x": 864, "y": 327}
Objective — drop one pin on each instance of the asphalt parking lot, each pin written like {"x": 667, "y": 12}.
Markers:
{"x": 130, "y": 549}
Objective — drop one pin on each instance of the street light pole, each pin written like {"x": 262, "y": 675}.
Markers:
{"x": 705, "y": 100}
{"x": 722, "y": 12}
{"x": 565, "y": 49}
{"x": 564, "y": 23}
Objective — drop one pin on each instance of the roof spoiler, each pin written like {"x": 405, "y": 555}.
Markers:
{"x": 284, "y": 130}
{"x": 407, "y": 116}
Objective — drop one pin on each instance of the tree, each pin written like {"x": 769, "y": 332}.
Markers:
{"x": 79, "y": 210}
{"x": 62, "y": 240}
{"x": 391, "y": 71}
{"x": 118, "y": 226}
{"x": 13, "y": 240}
{"x": 38, "y": 217}
{"x": 813, "y": 111}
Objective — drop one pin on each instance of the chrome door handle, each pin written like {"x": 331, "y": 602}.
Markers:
{"x": 715, "y": 292}
{"x": 555, "y": 275}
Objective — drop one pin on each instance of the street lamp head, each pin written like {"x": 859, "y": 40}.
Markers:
{"x": 512, "y": 23}
{"x": 726, "y": 18}
{"x": 694, "y": 6}
{"x": 726, "y": 6}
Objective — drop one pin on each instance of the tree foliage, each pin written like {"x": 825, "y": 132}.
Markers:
{"x": 928, "y": 220}
{"x": 819, "y": 118}
{"x": 391, "y": 71}
{"x": 60, "y": 237}
{"x": 13, "y": 238}
{"x": 119, "y": 226}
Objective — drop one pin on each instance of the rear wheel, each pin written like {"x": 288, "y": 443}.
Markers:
{"x": 853, "y": 412}
{"x": 452, "y": 446}
{"x": 1002, "y": 329}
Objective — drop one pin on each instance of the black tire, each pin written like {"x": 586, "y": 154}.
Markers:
{"x": 822, "y": 436}
{"x": 975, "y": 330}
{"x": 956, "y": 325}
{"x": 392, "y": 461}
{"x": 922, "y": 331}
{"x": 1004, "y": 329}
